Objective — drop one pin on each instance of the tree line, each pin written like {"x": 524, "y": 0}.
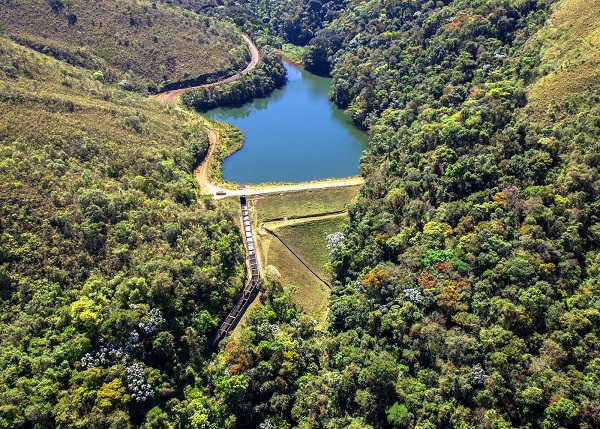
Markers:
{"x": 268, "y": 75}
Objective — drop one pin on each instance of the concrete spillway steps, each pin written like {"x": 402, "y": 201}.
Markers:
{"x": 251, "y": 289}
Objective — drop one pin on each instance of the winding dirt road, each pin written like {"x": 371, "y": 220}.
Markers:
{"x": 171, "y": 96}
{"x": 207, "y": 187}
{"x": 201, "y": 172}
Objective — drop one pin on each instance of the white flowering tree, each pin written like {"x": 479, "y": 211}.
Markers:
{"x": 108, "y": 354}
{"x": 334, "y": 241}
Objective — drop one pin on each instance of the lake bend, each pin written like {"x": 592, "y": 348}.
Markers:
{"x": 294, "y": 135}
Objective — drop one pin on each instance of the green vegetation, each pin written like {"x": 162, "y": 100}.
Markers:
{"x": 229, "y": 140}
{"x": 113, "y": 273}
{"x": 291, "y": 53}
{"x": 308, "y": 292}
{"x": 294, "y": 21}
{"x": 464, "y": 284}
{"x": 268, "y": 75}
{"x": 307, "y": 238}
{"x": 140, "y": 44}
{"x": 279, "y": 339}
{"x": 569, "y": 47}
{"x": 313, "y": 202}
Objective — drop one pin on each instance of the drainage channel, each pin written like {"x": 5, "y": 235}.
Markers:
{"x": 252, "y": 287}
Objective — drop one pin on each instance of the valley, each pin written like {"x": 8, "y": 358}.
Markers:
{"x": 422, "y": 193}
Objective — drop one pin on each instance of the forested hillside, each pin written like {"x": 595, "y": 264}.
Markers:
{"x": 113, "y": 272}
{"x": 140, "y": 44}
{"x": 295, "y": 21}
{"x": 466, "y": 285}
{"x": 268, "y": 75}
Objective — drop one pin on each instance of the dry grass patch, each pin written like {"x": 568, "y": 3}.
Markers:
{"x": 307, "y": 238}
{"x": 126, "y": 39}
{"x": 310, "y": 294}
{"x": 569, "y": 46}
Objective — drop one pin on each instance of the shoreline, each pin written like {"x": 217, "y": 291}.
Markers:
{"x": 284, "y": 57}
{"x": 171, "y": 96}
{"x": 203, "y": 174}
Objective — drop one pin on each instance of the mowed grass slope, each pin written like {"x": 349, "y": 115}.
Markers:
{"x": 126, "y": 39}
{"x": 303, "y": 203}
{"x": 306, "y": 237}
{"x": 310, "y": 294}
{"x": 304, "y": 233}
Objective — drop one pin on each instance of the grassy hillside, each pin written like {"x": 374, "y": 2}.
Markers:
{"x": 304, "y": 232}
{"x": 308, "y": 293}
{"x": 142, "y": 42}
{"x": 302, "y": 203}
{"x": 569, "y": 46}
{"x": 307, "y": 238}
{"x": 112, "y": 271}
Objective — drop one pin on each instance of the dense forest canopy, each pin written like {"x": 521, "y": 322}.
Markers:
{"x": 268, "y": 75}
{"x": 295, "y": 21}
{"x": 113, "y": 272}
{"x": 465, "y": 288}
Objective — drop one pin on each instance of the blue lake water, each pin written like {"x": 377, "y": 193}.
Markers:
{"x": 294, "y": 135}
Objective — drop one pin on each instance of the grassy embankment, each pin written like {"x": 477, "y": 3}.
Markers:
{"x": 291, "y": 53}
{"x": 302, "y": 220}
{"x": 229, "y": 140}
{"x": 144, "y": 43}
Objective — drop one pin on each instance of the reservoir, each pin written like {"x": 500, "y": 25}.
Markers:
{"x": 295, "y": 135}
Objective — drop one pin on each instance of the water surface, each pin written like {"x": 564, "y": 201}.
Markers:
{"x": 294, "y": 135}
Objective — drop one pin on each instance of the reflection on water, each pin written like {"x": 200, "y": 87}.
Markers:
{"x": 296, "y": 134}
{"x": 231, "y": 113}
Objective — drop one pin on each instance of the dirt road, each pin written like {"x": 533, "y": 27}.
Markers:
{"x": 250, "y": 191}
{"x": 207, "y": 187}
{"x": 201, "y": 172}
{"x": 171, "y": 96}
